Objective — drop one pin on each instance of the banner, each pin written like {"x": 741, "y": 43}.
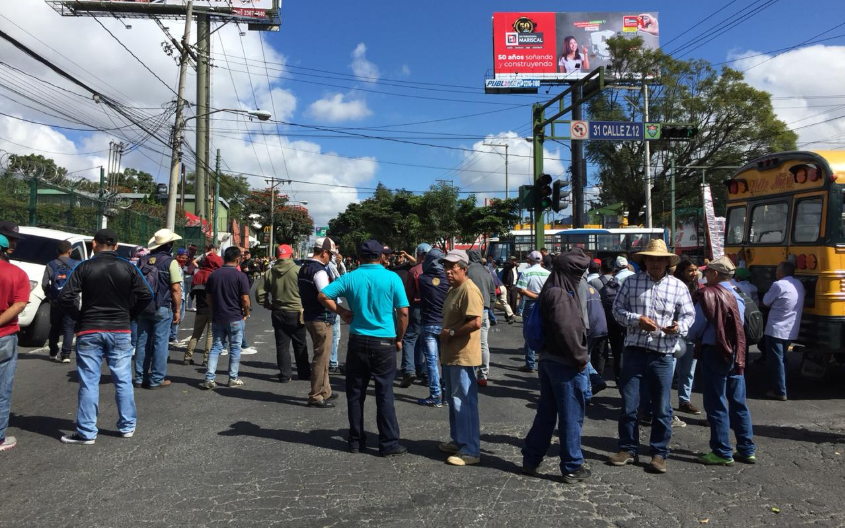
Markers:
{"x": 715, "y": 229}
{"x": 563, "y": 46}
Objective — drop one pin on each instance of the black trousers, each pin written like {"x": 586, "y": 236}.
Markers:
{"x": 616, "y": 335}
{"x": 513, "y": 298}
{"x": 60, "y": 325}
{"x": 371, "y": 358}
{"x": 288, "y": 329}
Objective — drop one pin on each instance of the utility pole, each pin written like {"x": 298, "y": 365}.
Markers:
{"x": 270, "y": 251}
{"x": 506, "y": 163}
{"x": 203, "y": 56}
{"x": 647, "y": 161}
{"x": 672, "y": 198}
{"x": 176, "y": 152}
{"x": 216, "y": 197}
{"x": 579, "y": 178}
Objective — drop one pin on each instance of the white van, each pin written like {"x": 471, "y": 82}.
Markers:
{"x": 32, "y": 253}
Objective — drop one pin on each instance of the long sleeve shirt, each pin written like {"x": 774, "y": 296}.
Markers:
{"x": 702, "y": 329}
{"x": 786, "y": 301}
{"x": 663, "y": 302}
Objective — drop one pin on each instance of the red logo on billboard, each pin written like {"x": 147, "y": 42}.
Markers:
{"x": 511, "y": 39}
{"x": 631, "y": 21}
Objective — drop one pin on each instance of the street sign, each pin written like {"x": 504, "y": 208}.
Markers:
{"x": 579, "y": 130}
{"x": 653, "y": 131}
{"x": 616, "y": 131}
{"x": 321, "y": 231}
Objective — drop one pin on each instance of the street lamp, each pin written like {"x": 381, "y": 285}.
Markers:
{"x": 176, "y": 154}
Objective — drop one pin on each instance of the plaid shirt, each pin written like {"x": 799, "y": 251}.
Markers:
{"x": 663, "y": 301}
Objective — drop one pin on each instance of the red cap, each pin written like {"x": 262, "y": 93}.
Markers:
{"x": 284, "y": 251}
{"x": 597, "y": 261}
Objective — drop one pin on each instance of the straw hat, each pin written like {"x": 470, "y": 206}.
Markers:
{"x": 162, "y": 237}
{"x": 656, "y": 248}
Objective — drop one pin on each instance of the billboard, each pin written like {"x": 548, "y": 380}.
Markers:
{"x": 241, "y": 8}
{"x": 563, "y": 46}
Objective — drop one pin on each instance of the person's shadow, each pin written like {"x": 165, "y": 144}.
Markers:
{"x": 49, "y": 426}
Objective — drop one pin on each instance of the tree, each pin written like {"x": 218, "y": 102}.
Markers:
{"x": 496, "y": 218}
{"x": 736, "y": 123}
{"x": 291, "y": 223}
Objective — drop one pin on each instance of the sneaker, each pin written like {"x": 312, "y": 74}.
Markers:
{"x": 188, "y": 361}
{"x": 399, "y": 450}
{"x": 208, "y": 384}
{"x": 431, "y": 402}
{"x": 526, "y": 368}
{"x": 462, "y": 459}
{"x": 688, "y": 408}
{"x": 677, "y": 422}
{"x": 622, "y": 458}
{"x": 8, "y": 443}
{"x": 248, "y": 351}
{"x": 448, "y": 447}
{"x": 322, "y": 404}
{"x": 204, "y": 363}
{"x": 511, "y": 320}
{"x": 65, "y": 359}
{"x": 54, "y": 357}
{"x": 407, "y": 380}
{"x": 225, "y": 352}
{"x": 531, "y": 471}
{"x": 76, "y": 438}
{"x": 657, "y": 465}
{"x": 482, "y": 382}
{"x": 235, "y": 383}
{"x": 335, "y": 370}
{"x": 579, "y": 475}
{"x": 772, "y": 395}
{"x": 712, "y": 459}
{"x": 128, "y": 434}
{"x": 750, "y": 459}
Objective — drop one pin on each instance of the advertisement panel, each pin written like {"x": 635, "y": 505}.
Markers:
{"x": 563, "y": 46}
{"x": 244, "y": 8}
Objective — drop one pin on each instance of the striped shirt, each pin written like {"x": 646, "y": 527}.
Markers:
{"x": 533, "y": 278}
{"x": 663, "y": 301}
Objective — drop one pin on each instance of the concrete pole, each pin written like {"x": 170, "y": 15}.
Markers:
{"x": 176, "y": 153}
{"x": 672, "y": 198}
{"x": 216, "y": 197}
{"x": 203, "y": 49}
{"x": 579, "y": 176}
{"x": 507, "y": 195}
{"x": 537, "y": 140}
{"x": 647, "y": 164}
{"x": 270, "y": 250}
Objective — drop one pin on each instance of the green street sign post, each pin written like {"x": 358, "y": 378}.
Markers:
{"x": 320, "y": 231}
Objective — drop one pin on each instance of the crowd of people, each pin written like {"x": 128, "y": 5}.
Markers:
{"x": 656, "y": 317}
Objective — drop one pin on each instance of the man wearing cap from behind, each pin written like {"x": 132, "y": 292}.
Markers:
{"x": 319, "y": 321}
{"x": 530, "y": 283}
{"x": 373, "y": 295}
{"x": 14, "y": 294}
{"x": 10, "y": 230}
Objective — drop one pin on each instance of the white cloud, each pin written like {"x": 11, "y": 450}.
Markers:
{"x": 804, "y": 76}
{"x": 339, "y": 107}
{"x": 361, "y": 67}
{"x": 406, "y": 70}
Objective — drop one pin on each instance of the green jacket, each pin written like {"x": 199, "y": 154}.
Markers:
{"x": 281, "y": 284}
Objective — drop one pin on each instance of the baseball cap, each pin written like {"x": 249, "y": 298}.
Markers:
{"x": 722, "y": 265}
{"x": 743, "y": 274}
{"x": 423, "y": 248}
{"x": 387, "y": 251}
{"x": 4, "y": 242}
{"x": 325, "y": 244}
{"x": 284, "y": 251}
{"x": 621, "y": 262}
{"x": 9, "y": 230}
{"x": 535, "y": 256}
{"x": 512, "y": 257}
{"x": 456, "y": 255}
{"x": 106, "y": 237}
{"x": 370, "y": 249}
{"x": 181, "y": 251}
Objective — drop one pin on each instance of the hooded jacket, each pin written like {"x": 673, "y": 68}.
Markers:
{"x": 281, "y": 284}
{"x": 480, "y": 276}
{"x": 210, "y": 263}
{"x": 721, "y": 310}
{"x": 560, "y": 310}
{"x": 433, "y": 289}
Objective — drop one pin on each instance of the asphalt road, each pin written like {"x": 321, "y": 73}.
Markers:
{"x": 258, "y": 456}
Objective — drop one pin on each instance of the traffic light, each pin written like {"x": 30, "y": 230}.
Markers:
{"x": 559, "y": 196}
{"x": 526, "y": 197}
{"x": 675, "y": 132}
{"x": 543, "y": 192}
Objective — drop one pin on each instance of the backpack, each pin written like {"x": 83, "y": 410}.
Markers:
{"x": 753, "y": 319}
{"x": 608, "y": 295}
{"x": 61, "y": 272}
{"x": 154, "y": 273}
{"x": 533, "y": 329}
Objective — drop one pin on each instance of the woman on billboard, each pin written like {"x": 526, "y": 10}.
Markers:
{"x": 570, "y": 59}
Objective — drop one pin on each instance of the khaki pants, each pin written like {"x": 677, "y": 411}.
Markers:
{"x": 202, "y": 323}
{"x": 321, "y": 335}
{"x": 501, "y": 301}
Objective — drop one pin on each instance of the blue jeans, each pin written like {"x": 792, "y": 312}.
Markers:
{"x": 431, "y": 350}
{"x": 244, "y": 342}
{"x": 174, "y": 328}
{"x": 189, "y": 281}
{"x": 776, "y": 361}
{"x": 685, "y": 369}
{"x": 646, "y": 407}
{"x": 116, "y": 348}
{"x": 233, "y": 333}
{"x": 411, "y": 348}
{"x": 563, "y": 392}
{"x": 724, "y": 401}
{"x": 530, "y": 355}
{"x": 655, "y": 370}
{"x": 464, "y": 426}
{"x": 593, "y": 378}
{"x": 521, "y": 310}
{"x": 151, "y": 348}
{"x": 8, "y": 365}
{"x": 335, "y": 343}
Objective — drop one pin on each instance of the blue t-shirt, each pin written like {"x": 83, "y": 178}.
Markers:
{"x": 226, "y": 286}
{"x": 372, "y": 293}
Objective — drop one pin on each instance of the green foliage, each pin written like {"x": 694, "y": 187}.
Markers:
{"x": 291, "y": 222}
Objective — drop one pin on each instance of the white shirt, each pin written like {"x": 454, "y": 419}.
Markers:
{"x": 533, "y": 278}
{"x": 321, "y": 278}
{"x": 786, "y": 300}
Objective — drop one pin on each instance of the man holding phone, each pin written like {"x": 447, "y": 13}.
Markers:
{"x": 656, "y": 309}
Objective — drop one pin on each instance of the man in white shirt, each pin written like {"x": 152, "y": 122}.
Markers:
{"x": 530, "y": 282}
{"x": 785, "y": 300}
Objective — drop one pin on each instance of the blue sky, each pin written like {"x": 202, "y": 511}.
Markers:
{"x": 418, "y": 50}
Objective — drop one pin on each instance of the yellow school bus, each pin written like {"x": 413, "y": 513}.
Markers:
{"x": 789, "y": 206}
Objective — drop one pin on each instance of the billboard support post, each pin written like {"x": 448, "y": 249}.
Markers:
{"x": 203, "y": 37}
{"x": 647, "y": 160}
{"x": 175, "y": 154}
{"x": 579, "y": 178}
{"x": 538, "y": 139}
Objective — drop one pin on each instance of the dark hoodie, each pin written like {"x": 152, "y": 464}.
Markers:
{"x": 560, "y": 309}
{"x": 281, "y": 283}
{"x": 433, "y": 289}
{"x": 479, "y": 274}
{"x": 210, "y": 263}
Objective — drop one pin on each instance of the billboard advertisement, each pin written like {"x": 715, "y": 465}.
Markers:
{"x": 563, "y": 46}
{"x": 244, "y": 8}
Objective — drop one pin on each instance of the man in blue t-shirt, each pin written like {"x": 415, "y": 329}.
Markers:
{"x": 373, "y": 294}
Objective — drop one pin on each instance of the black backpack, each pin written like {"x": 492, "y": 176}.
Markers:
{"x": 608, "y": 295}
{"x": 754, "y": 325}
{"x": 61, "y": 272}
{"x": 157, "y": 275}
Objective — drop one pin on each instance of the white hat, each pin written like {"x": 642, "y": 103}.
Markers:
{"x": 325, "y": 244}
{"x": 162, "y": 237}
{"x": 621, "y": 262}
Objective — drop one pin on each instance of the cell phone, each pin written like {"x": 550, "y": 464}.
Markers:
{"x": 577, "y": 64}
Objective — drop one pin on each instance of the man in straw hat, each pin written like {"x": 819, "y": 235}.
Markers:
{"x": 151, "y": 349}
{"x": 656, "y": 309}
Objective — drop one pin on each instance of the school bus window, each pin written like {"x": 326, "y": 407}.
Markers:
{"x": 736, "y": 225}
{"x": 808, "y": 218}
{"x": 768, "y": 223}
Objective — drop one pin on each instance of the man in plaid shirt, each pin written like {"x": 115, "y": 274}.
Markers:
{"x": 656, "y": 309}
